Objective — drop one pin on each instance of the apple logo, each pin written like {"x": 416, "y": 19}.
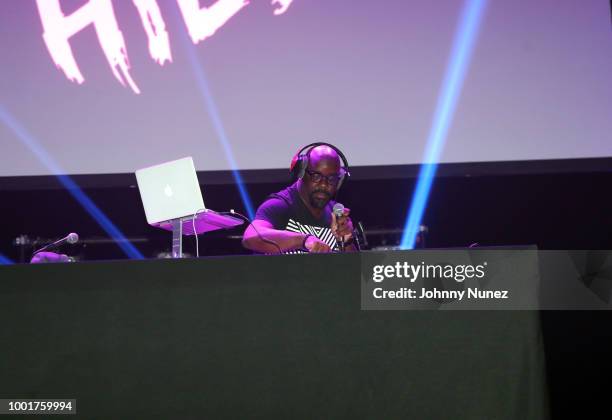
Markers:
{"x": 168, "y": 191}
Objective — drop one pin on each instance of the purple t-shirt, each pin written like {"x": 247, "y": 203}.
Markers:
{"x": 285, "y": 210}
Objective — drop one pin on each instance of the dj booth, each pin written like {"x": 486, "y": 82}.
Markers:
{"x": 256, "y": 336}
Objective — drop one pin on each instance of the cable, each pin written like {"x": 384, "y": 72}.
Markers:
{"x": 233, "y": 213}
{"x": 193, "y": 218}
{"x": 195, "y": 215}
{"x": 250, "y": 223}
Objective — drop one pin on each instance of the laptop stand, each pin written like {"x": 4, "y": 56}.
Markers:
{"x": 206, "y": 221}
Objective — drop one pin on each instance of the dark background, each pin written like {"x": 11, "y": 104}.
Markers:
{"x": 558, "y": 205}
{"x": 561, "y": 204}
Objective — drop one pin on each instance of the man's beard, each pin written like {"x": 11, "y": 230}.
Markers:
{"x": 319, "y": 203}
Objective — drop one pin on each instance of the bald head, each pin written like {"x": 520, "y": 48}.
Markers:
{"x": 321, "y": 177}
{"x": 323, "y": 154}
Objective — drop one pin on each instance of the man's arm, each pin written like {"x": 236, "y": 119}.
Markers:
{"x": 286, "y": 241}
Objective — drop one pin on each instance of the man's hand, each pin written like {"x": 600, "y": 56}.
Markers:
{"x": 342, "y": 227}
{"x": 315, "y": 245}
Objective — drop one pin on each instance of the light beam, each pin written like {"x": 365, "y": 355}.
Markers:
{"x": 463, "y": 46}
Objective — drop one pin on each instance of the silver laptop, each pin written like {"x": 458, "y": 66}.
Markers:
{"x": 170, "y": 191}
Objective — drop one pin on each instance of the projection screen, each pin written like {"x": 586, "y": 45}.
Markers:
{"x": 109, "y": 86}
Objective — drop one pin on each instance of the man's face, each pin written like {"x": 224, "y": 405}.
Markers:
{"x": 321, "y": 181}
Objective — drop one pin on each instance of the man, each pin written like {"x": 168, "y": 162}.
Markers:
{"x": 300, "y": 219}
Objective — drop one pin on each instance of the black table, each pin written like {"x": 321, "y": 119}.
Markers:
{"x": 256, "y": 336}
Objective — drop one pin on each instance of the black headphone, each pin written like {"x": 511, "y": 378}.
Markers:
{"x": 299, "y": 163}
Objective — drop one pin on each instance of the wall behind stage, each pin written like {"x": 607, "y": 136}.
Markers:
{"x": 364, "y": 75}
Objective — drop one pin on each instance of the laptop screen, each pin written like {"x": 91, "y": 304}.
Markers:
{"x": 170, "y": 190}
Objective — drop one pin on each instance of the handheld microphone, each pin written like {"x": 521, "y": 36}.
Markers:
{"x": 71, "y": 238}
{"x": 338, "y": 210}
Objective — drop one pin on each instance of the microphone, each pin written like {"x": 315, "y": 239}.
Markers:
{"x": 71, "y": 238}
{"x": 338, "y": 210}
